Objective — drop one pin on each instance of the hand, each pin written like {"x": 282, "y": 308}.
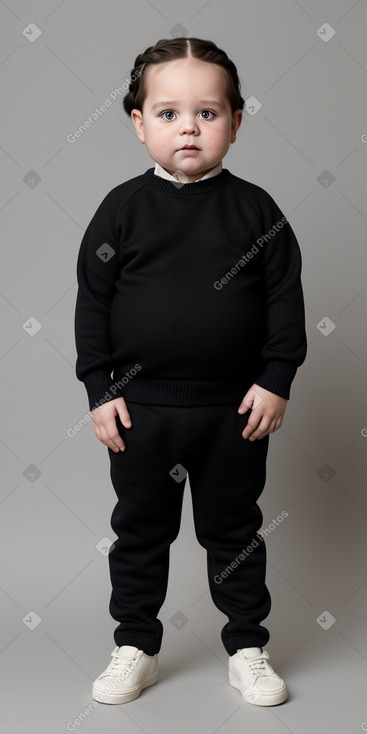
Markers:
{"x": 267, "y": 412}
{"x": 105, "y": 426}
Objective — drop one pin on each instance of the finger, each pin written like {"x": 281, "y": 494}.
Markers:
{"x": 112, "y": 439}
{"x": 252, "y": 424}
{"x": 247, "y": 402}
{"x": 262, "y": 430}
{"x": 252, "y": 399}
{"x": 113, "y": 434}
{"x": 266, "y": 433}
{"x": 275, "y": 425}
{"x": 125, "y": 417}
{"x": 115, "y": 437}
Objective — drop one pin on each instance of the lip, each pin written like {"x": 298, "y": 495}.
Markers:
{"x": 189, "y": 147}
{"x": 190, "y": 152}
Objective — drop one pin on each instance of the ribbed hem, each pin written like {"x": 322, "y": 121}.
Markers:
{"x": 277, "y": 377}
{"x": 196, "y": 187}
{"x": 101, "y": 388}
{"x": 183, "y": 392}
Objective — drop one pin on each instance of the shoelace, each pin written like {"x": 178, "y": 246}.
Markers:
{"x": 118, "y": 662}
{"x": 257, "y": 666}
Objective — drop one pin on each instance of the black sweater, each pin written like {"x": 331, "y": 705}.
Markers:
{"x": 188, "y": 293}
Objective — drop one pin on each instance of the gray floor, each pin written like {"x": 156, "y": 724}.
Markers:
{"x": 306, "y": 145}
{"x": 47, "y": 672}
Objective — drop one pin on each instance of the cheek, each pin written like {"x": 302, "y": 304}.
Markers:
{"x": 219, "y": 133}
{"x": 154, "y": 136}
{"x": 218, "y": 140}
{"x": 158, "y": 132}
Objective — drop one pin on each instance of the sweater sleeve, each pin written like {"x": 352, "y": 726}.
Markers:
{"x": 285, "y": 344}
{"x": 98, "y": 269}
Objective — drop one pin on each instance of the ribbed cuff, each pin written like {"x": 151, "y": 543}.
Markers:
{"x": 277, "y": 377}
{"x": 101, "y": 388}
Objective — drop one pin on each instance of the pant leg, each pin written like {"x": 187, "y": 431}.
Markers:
{"x": 227, "y": 475}
{"x": 146, "y": 520}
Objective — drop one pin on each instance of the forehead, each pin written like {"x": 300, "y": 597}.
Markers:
{"x": 190, "y": 76}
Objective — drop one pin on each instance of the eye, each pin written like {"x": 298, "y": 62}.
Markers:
{"x": 210, "y": 113}
{"x": 170, "y": 112}
{"x": 165, "y": 113}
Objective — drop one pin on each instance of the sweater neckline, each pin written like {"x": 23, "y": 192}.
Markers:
{"x": 196, "y": 187}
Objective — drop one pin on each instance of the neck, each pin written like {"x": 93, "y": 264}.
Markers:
{"x": 195, "y": 187}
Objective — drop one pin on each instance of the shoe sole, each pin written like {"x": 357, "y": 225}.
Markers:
{"x": 99, "y": 695}
{"x": 261, "y": 699}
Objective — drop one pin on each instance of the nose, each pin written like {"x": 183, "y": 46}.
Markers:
{"x": 188, "y": 125}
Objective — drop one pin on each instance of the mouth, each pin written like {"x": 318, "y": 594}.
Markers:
{"x": 189, "y": 147}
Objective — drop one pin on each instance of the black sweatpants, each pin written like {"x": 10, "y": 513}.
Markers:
{"x": 227, "y": 475}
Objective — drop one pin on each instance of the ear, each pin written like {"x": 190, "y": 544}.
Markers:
{"x": 137, "y": 119}
{"x": 236, "y": 122}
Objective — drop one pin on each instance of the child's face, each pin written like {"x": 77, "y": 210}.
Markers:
{"x": 187, "y": 119}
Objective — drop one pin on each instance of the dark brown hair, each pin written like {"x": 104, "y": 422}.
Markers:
{"x": 169, "y": 49}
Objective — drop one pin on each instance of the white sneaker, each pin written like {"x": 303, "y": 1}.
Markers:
{"x": 256, "y": 679}
{"x": 129, "y": 671}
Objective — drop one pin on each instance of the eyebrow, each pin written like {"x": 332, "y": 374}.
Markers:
{"x": 171, "y": 103}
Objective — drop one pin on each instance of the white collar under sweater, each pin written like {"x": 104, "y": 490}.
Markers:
{"x": 159, "y": 171}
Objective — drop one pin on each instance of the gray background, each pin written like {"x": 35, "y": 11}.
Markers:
{"x": 307, "y": 145}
